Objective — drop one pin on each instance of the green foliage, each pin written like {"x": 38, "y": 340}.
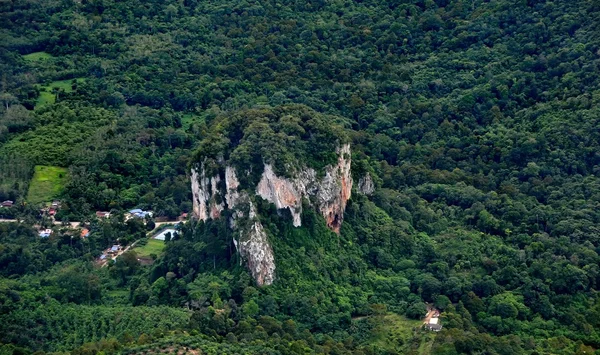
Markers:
{"x": 56, "y": 327}
{"x": 282, "y": 136}
{"x": 14, "y": 179}
{"x": 48, "y": 183}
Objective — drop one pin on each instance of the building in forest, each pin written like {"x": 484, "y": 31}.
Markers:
{"x": 7, "y": 203}
{"x": 434, "y": 324}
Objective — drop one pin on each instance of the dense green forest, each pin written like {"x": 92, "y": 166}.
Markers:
{"x": 478, "y": 120}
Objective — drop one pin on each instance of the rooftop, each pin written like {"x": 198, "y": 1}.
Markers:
{"x": 434, "y": 327}
{"x": 45, "y": 233}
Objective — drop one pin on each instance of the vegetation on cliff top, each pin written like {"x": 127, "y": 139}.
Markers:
{"x": 289, "y": 137}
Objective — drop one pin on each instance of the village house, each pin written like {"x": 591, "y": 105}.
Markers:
{"x": 45, "y": 233}
{"x": 84, "y": 233}
{"x": 102, "y": 214}
{"x": 114, "y": 249}
{"x": 434, "y": 325}
{"x": 138, "y": 213}
{"x": 7, "y": 203}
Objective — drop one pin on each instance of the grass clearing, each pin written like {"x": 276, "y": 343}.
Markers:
{"x": 426, "y": 344}
{"x": 46, "y": 94}
{"x": 188, "y": 119}
{"x": 153, "y": 246}
{"x": 395, "y": 332}
{"x": 47, "y": 184}
{"x": 37, "y": 56}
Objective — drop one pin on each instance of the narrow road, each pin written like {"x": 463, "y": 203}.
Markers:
{"x": 124, "y": 250}
{"x": 2, "y": 220}
{"x": 56, "y": 223}
{"x": 158, "y": 224}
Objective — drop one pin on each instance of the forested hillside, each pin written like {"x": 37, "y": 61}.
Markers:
{"x": 478, "y": 122}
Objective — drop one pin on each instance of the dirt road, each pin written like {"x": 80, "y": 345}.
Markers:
{"x": 2, "y": 220}
{"x": 430, "y": 314}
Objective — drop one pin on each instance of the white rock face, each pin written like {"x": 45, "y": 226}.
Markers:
{"x": 335, "y": 189}
{"x": 366, "y": 186}
{"x": 331, "y": 193}
{"x": 252, "y": 241}
{"x": 204, "y": 192}
{"x": 284, "y": 193}
{"x": 256, "y": 249}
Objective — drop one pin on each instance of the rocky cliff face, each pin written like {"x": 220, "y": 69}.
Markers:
{"x": 328, "y": 193}
{"x": 206, "y": 195}
{"x": 366, "y": 186}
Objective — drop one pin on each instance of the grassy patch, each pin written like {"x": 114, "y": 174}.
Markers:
{"x": 37, "y": 56}
{"x": 46, "y": 94}
{"x": 426, "y": 343}
{"x": 188, "y": 119}
{"x": 119, "y": 296}
{"x": 394, "y": 332}
{"x": 48, "y": 182}
{"x": 153, "y": 246}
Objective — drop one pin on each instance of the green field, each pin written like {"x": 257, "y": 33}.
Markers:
{"x": 46, "y": 95}
{"x": 37, "y": 56}
{"x": 154, "y": 246}
{"x": 47, "y": 183}
{"x": 395, "y": 332}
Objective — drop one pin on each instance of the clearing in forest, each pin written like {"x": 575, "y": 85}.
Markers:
{"x": 394, "y": 332}
{"x": 49, "y": 97}
{"x": 189, "y": 119}
{"x": 153, "y": 246}
{"x": 47, "y": 184}
{"x": 37, "y": 56}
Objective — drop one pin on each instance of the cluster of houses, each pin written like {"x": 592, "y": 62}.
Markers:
{"x": 434, "y": 323}
{"x": 135, "y": 213}
{"x": 83, "y": 232}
